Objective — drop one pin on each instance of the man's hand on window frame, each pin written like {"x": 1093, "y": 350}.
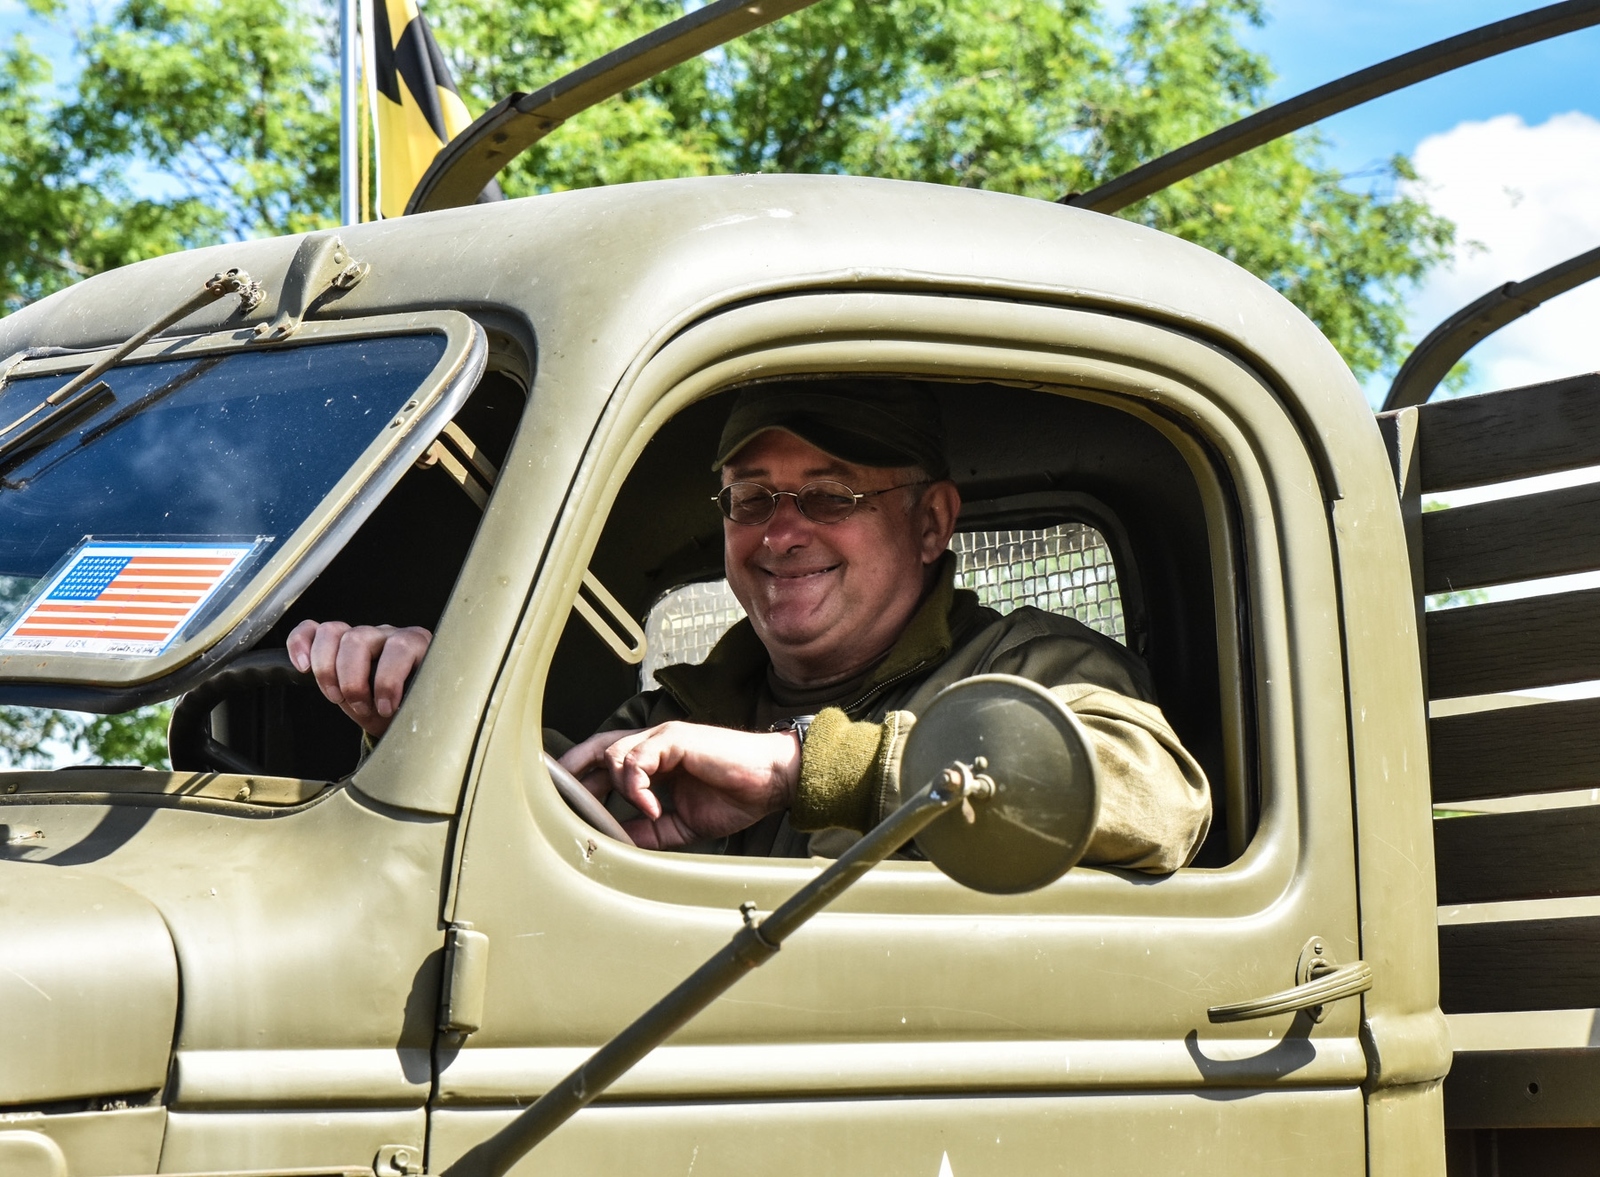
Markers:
{"x": 362, "y": 668}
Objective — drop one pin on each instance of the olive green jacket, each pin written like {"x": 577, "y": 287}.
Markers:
{"x": 1155, "y": 806}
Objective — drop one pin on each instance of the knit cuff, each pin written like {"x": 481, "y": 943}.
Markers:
{"x": 841, "y": 772}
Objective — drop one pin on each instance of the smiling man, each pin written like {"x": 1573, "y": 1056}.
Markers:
{"x": 838, "y": 512}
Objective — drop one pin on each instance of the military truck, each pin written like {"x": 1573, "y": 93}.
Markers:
{"x": 291, "y": 955}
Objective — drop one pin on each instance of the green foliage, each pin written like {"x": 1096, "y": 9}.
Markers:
{"x": 133, "y": 737}
{"x": 235, "y": 102}
{"x": 499, "y": 48}
{"x": 188, "y": 122}
{"x": 1034, "y": 97}
{"x": 228, "y": 112}
{"x": 32, "y": 737}
{"x": 192, "y": 121}
{"x": 63, "y": 213}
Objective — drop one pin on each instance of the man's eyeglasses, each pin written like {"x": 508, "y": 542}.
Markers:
{"x": 751, "y": 503}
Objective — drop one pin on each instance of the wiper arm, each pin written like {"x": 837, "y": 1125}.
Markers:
{"x": 47, "y": 428}
{"x": 238, "y": 282}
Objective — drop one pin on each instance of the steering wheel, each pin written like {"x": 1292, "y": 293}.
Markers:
{"x": 189, "y": 739}
{"x": 583, "y": 802}
{"x": 193, "y": 749}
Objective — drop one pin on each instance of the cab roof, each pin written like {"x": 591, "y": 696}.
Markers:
{"x": 593, "y": 276}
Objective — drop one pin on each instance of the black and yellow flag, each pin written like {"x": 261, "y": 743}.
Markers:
{"x": 418, "y": 109}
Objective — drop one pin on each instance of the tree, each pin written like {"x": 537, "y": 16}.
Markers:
{"x": 194, "y": 121}
{"x": 63, "y": 214}
{"x": 187, "y": 122}
{"x": 32, "y": 737}
{"x": 236, "y": 103}
{"x": 1035, "y": 97}
{"x": 228, "y": 111}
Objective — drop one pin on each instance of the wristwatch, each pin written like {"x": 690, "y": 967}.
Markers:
{"x": 800, "y": 725}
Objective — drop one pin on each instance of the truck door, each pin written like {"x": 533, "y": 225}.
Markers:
{"x": 917, "y": 1027}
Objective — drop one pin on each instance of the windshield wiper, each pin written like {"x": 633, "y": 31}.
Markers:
{"x": 10, "y": 461}
{"x": 48, "y": 428}
{"x": 218, "y": 286}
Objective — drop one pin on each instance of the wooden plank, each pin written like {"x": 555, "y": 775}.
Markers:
{"x": 1540, "y": 748}
{"x": 1522, "y": 538}
{"x": 1520, "y": 965}
{"x": 1475, "y": 440}
{"x": 1545, "y": 854}
{"x": 1514, "y": 645}
{"x": 1523, "y": 1089}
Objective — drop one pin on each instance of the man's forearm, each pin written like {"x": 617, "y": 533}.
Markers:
{"x": 1155, "y": 804}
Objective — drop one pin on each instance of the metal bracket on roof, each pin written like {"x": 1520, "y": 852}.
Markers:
{"x": 322, "y": 264}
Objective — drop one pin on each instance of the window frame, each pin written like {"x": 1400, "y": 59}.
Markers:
{"x": 111, "y": 684}
{"x": 1253, "y": 468}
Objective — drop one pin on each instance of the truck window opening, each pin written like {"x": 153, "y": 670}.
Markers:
{"x": 1064, "y": 568}
{"x": 1073, "y": 506}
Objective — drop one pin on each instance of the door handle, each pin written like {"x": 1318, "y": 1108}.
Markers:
{"x": 1332, "y": 985}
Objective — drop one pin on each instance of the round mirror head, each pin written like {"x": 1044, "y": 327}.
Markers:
{"x": 1046, "y": 799}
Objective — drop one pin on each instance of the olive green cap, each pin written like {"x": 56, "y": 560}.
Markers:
{"x": 866, "y": 422}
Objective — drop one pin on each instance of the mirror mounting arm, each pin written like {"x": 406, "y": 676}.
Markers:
{"x": 752, "y": 945}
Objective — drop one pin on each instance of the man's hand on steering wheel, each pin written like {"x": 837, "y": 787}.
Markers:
{"x": 721, "y": 781}
{"x": 342, "y": 659}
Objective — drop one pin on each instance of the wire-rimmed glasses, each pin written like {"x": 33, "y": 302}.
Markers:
{"x": 750, "y": 503}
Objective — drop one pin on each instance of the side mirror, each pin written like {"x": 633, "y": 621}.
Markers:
{"x": 1041, "y": 767}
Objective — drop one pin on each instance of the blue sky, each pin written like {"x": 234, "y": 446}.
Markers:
{"x": 1509, "y": 149}
{"x": 1314, "y": 42}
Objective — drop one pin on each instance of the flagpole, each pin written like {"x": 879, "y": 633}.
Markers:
{"x": 349, "y": 150}
{"x": 371, "y": 193}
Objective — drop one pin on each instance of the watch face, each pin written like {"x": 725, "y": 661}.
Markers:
{"x": 799, "y": 724}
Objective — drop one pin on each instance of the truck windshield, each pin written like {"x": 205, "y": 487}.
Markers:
{"x": 237, "y": 447}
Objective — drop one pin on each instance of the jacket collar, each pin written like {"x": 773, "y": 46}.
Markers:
{"x": 722, "y": 689}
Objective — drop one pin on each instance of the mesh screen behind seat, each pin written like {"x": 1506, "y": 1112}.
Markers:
{"x": 1064, "y": 569}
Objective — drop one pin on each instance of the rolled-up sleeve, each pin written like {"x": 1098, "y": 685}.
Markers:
{"x": 1155, "y": 802}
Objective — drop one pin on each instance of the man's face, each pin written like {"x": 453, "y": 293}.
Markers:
{"x": 828, "y": 599}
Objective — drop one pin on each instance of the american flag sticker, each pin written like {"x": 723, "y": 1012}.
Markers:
{"x": 124, "y": 599}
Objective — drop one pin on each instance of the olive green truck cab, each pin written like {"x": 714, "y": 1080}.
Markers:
{"x": 289, "y": 956}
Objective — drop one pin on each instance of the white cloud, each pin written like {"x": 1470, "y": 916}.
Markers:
{"x": 1530, "y": 197}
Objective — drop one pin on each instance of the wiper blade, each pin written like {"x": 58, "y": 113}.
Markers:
{"x": 237, "y": 282}
{"x": 42, "y": 432}
{"x": 99, "y": 429}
